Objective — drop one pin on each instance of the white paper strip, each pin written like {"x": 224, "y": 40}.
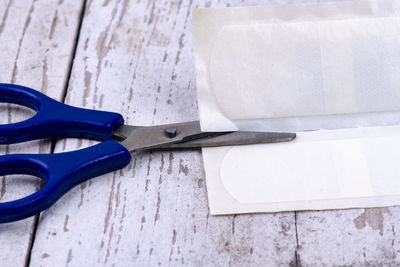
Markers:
{"x": 296, "y": 68}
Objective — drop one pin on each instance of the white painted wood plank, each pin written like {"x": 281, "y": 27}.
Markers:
{"x": 36, "y": 41}
{"x": 361, "y": 237}
{"x": 135, "y": 57}
{"x": 155, "y": 210}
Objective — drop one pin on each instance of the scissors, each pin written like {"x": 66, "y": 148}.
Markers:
{"x": 63, "y": 171}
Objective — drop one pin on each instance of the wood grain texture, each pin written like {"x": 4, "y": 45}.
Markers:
{"x": 363, "y": 237}
{"x": 135, "y": 57}
{"x": 36, "y": 42}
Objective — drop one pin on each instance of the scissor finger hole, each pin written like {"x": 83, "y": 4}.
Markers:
{"x": 12, "y": 113}
{"x": 17, "y": 186}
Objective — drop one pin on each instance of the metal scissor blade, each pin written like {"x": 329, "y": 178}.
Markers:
{"x": 189, "y": 135}
{"x": 232, "y": 139}
{"x": 156, "y": 136}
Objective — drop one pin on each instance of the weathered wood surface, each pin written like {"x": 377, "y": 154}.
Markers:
{"x": 135, "y": 57}
{"x": 37, "y": 38}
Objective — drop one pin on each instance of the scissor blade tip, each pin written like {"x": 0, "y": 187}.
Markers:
{"x": 277, "y": 137}
{"x": 292, "y": 136}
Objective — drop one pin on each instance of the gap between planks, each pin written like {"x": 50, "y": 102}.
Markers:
{"x": 53, "y": 141}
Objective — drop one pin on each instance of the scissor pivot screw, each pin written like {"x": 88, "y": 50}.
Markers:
{"x": 170, "y": 132}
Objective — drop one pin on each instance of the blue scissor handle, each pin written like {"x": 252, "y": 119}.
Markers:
{"x": 54, "y": 119}
{"x": 60, "y": 177}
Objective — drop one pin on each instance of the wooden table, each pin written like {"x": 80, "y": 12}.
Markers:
{"x": 136, "y": 57}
